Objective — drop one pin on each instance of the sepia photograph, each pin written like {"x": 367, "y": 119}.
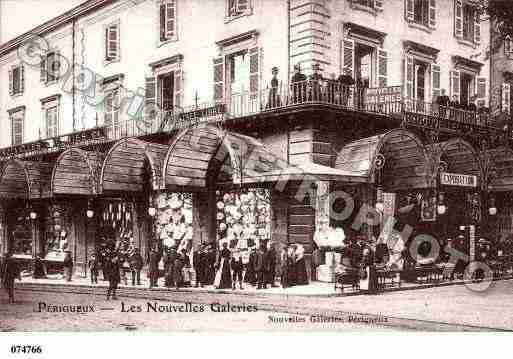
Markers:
{"x": 276, "y": 166}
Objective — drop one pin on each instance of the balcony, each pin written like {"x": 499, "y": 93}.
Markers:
{"x": 385, "y": 103}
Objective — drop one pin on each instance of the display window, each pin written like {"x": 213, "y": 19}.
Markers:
{"x": 174, "y": 220}
{"x": 244, "y": 218}
{"x": 116, "y": 223}
{"x": 20, "y": 232}
{"x": 57, "y": 229}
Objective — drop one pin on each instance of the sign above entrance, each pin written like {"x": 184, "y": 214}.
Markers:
{"x": 455, "y": 179}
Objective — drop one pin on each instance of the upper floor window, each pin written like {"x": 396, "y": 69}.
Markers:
{"x": 16, "y": 80}
{"x": 371, "y": 4}
{"x": 17, "y": 119}
{"x": 111, "y": 113}
{"x": 167, "y": 20}
{"x": 50, "y": 67}
{"x": 50, "y": 106}
{"x": 421, "y": 12}
{"x": 467, "y": 22}
{"x": 112, "y": 43}
{"x": 236, "y": 8}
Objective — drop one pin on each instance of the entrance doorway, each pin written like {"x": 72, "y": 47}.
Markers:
{"x": 467, "y": 81}
{"x": 364, "y": 55}
{"x": 166, "y": 90}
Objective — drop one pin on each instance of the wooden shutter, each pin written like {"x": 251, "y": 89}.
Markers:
{"x": 178, "y": 89}
{"x": 506, "y": 99}
{"x": 409, "y": 10}
{"x": 242, "y": 5}
{"x": 254, "y": 72}
{"x": 409, "y": 73}
{"x": 481, "y": 87}
{"x": 477, "y": 27}
{"x": 107, "y": 113}
{"x": 150, "y": 97}
{"x": 17, "y": 125}
{"x": 170, "y": 22}
{"x": 435, "y": 80}
{"x": 43, "y": 69}
{"x": 11, "y": 82}
{"x": 381, "y": 68}
{"x": 458, "y": 18}
{"x": 162, "y": 16}
{"x": 112, "y": 42}
{"x": 348, "y": 56}
{"x": 219, "y": 79}
{"x": 455, "y": 84}
{"x": 378, "y": 5}
{"x": 432, "y": 14}
{"x": 22, "y": 78}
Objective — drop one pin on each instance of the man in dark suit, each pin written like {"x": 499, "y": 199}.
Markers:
{"x": 9, "y": 271}
{"x": 443, "y": 102}
{"x": 154, "y": 267}
{"x": 270, "y": 258}
{"x": 258, "y": 267}
{"x": 113, "y": 277}
{"x": 198, "y": 260}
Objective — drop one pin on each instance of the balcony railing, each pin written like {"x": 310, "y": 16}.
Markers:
{"x": 386, "y": 102}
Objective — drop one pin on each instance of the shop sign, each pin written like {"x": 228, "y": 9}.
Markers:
{"x": 455, "y": 179}
{"x": 380, "y": 95}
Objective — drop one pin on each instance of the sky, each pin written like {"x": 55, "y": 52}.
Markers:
{"x": 19, "y": 16}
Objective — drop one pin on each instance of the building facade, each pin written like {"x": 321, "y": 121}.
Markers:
{"x": 136, "y": 119}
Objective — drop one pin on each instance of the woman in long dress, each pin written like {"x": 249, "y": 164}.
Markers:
{"x": 223, "y": 266}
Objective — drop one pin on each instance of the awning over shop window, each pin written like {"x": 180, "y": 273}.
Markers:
{"x": 400, "y": 152}
{"x": 25, "y": 180}
{"x": 456, "y": 156}
{"x": 502, "y": 163}
{"x": 131, "y": 165}
{"x": 76, "y": 172}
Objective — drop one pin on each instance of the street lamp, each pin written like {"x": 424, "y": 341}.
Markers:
{"x": 90, "y": 211}
{"x": 33, "y": 215}
{"x": 441, "y": 207}
{"x": 492, "y": 209}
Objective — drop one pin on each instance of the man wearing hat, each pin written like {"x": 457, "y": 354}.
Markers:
{"x": 345, "y": 82}
{"x": 68, "y": 265}
{"x": 315, "y": 82}
{"x": 298, "y": 85}
{"x": 9, "y": 271}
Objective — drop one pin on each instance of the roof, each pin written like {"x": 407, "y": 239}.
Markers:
{"x": 55, "y": 23}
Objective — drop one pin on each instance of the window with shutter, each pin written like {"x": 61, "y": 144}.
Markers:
{"x": 254, "y": 72}
{"x": 382, "y": 68}
{"x": 52, "y": 67}
{"x": 17, "y": 125}
{"x": 43, "y": 76}
{"x": 506, "y": 98}
{"x": 435, "y": 80}
{"x": 16, "y": 80}
{"x": 409, "y": 75}
{"x": 178, "y": 89}
{"x": 219, "y": 83}
{"x": 51, "y": 115}
{"x": 11, "y": 83}
{"x": 236, "y": 8}
{"x": 455, "y": 85}
{"x": 432, "y": 14}
{"x": 22, "y": 79}
{"x": 378, "y": 5}
{"x": 409, "y": 10}
{"x": 458, "y": 18}
{"x": 348, "y": 56}
{"x": 477, "y": 27}
{"x": 168, "y": 20}
{"x": 481, "y": 87}
{"x": 150, "y": 98}
{"x": 112, "y": 43}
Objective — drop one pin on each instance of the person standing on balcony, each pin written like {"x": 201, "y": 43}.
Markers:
{"x": 345, "y": 82}
{"x": 298, "y": 85}
{"x": 274, "y": 97}
{"x": 455, "y": 107}
{"x": 316, "y": 80}
{"x": 472, "y": 109}
{"x": 442, "y": 101}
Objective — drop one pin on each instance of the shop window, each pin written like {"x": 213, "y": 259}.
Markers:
{"x": 244, "y": 218}
{"x": 20, "y": 232}
{"x": 50, "y": 67}
{"x": 116, "y": 223}
{"x": 17, "y": 119}
{"x": 237, "y": 8}
{"x": 174, "y": 221}
{"x": 50, "y": 106}
{"x": 112, "y": 43}
{"x": 167, "y": 20}
{"x": 56, "y": 231}
{"x": 16, "y": 80}
{"x": 421, "y": 12}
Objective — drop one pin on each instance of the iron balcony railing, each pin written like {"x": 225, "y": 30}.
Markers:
{"x": 386, "y": 101}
